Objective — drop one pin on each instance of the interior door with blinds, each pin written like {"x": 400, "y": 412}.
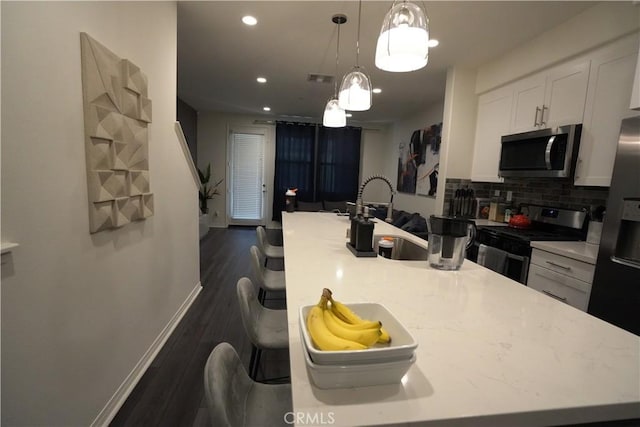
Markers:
{"x": 247, "y": 189}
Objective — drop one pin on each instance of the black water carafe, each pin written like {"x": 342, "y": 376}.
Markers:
{"x": 364, "y": 233}
{"x": 353, "y": 231}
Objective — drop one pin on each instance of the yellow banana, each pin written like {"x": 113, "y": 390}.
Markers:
{"x": 365, "y": 324}
{"x": 384, "y": 336}
{"x": 344, "y": 313}
{"x": 365, "y": 337}
{"x": 322, "y": 337}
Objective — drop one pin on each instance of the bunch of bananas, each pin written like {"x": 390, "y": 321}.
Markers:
{"x": 334, "y": 326}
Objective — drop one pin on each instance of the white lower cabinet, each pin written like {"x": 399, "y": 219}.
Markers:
{"x": 561, "y": 278}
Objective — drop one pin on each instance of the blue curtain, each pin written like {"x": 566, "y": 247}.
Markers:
{"x": 338, "y": 163}
{"x": 322, "y": 163}
{"x": 295, "y": 162}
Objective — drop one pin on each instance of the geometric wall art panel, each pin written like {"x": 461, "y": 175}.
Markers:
{"x": 101, "y": 214}
{"x": 147, "y": 205}
{"x": 139, "y": 182}
{"x": 130, "y": 103}
{"x": 117, "y": 112}
{"x": 100, "y": 156}
{"x": 139, "y": 159}
{"x": 134, "y": 208}
{"x": 107, "y": 185}
{"x": 145, "y": 109}
{"x": 121, "y": 212}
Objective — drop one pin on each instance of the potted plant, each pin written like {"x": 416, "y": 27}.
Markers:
{"x": 207, "y": 191}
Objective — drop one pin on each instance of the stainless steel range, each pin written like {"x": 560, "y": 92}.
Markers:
{"x": 547, "y": 224}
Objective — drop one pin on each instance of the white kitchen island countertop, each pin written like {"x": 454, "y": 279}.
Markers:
{"x": 491, "y": 352}
{"x": 581, "y": 251}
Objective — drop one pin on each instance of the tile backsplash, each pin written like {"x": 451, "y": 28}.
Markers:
{"x": 535, "y": 191}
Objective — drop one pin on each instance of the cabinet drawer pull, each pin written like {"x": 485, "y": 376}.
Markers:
{"x": 535, "y": 118}
{"x": 542, "y": 122}
{"x": 564, "y": 267}
{"x": 552, "y": 295}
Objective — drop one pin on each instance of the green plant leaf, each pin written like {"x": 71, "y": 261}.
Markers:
{"x": 207, "y": 191}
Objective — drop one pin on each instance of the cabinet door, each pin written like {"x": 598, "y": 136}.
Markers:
{"x": 528, "y": 98}
{"x": 494, "y": 112}
{"x": 565, "y": 94}
{"x": 564, "y": 265}
{"x": 560, "y": 287}
{"x": 607, "y": 104}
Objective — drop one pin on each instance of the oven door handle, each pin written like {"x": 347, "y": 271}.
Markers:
{"x": 547, "y": 151}
{"x": 517, "y": 257}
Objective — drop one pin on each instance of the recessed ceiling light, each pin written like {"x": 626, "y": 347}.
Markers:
{"x": 261, "y": 80}
{"x": 349, "y": 115}
{"x": 266, "y": 108}
{"x": 249, "y": 20}
{"x": 376, "y": 90}
{"x": 433, "y": 43}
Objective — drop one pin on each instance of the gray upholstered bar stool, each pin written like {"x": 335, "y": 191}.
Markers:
{"x": 267, "y": 329}
{"x": 268, "y": 250}
{"x": 268, "y": 280}
{"x": 234, "y": 399}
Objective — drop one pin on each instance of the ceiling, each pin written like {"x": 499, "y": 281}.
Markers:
{"x": 219, "y": 58}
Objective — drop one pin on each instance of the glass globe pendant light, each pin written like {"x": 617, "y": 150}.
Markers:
{"x": 355, "y": 90}
{"x": 404, "y": 37}
{"x": 334, "y": 115}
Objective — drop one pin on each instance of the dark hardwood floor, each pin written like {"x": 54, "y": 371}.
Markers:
{"x": 171, "y": 392}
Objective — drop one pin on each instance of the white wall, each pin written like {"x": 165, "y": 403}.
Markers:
{"x": 401, "y": 132}
{"x": 459, "y": 124}
{"x": 374, "y": 161}
{"x": 599, "y": 24}
{"x": 212, "y": 148}
{"x": 80, "y": 311}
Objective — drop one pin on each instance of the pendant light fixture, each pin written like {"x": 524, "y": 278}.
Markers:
{"x": 355, "y": 90}
{"x": 404, "y": 37}
{"x": 334, "y": 115}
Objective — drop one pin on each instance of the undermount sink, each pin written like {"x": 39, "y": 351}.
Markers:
{"x": 403, "y": 249}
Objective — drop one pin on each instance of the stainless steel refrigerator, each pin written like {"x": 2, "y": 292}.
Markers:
{"x": 615, "y": 295}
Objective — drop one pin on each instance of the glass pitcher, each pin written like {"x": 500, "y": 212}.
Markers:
{"x": 449, "y": 238}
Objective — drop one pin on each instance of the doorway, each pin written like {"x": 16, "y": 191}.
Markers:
{"x": 247, "y": 189}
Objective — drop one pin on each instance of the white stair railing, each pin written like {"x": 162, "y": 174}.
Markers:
{"x": 187, "y": 155}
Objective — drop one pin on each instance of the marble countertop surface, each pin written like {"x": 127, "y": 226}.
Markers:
{"x": 491, "y": 352}
{"x": 581, "y": 251}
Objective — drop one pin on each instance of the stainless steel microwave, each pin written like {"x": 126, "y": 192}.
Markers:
{"x": 541, "y": 153}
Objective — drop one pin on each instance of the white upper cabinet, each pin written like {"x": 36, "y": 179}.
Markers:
{"x": 566, "y": 91}
{"x": 594, "y": 89}
{"x": 528, "y": 99}
{"x": 494, "y": 113}
{"x": 610, "y": 86}
{"x": 551, "y": 98}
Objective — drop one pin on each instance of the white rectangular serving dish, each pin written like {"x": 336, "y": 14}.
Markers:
{"x": 401, "y": 347}
{"x": 357, "y": 375}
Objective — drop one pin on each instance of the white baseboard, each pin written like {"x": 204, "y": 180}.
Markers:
{"x": 114, "y": 404}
